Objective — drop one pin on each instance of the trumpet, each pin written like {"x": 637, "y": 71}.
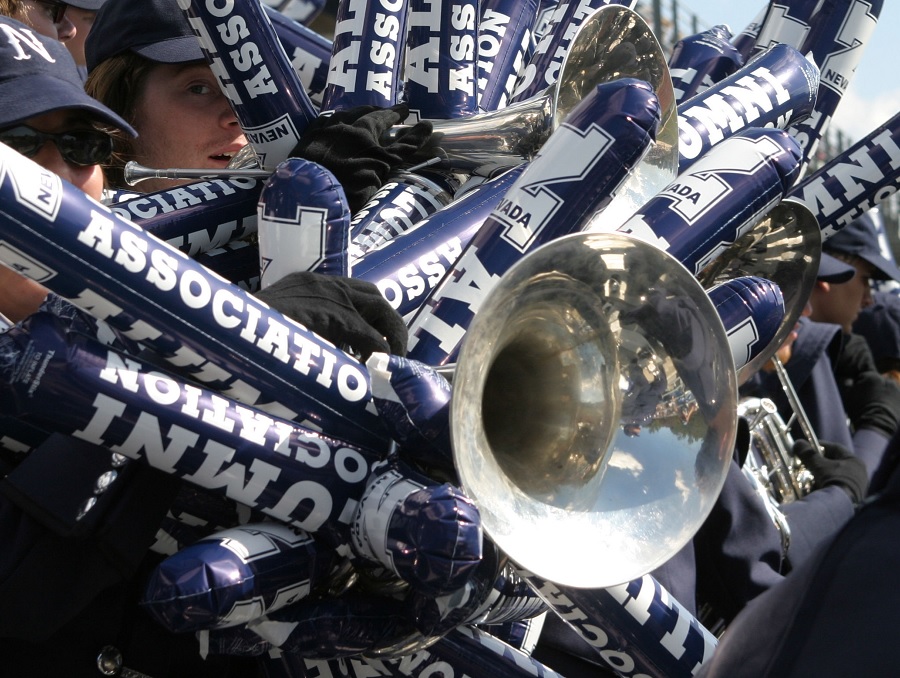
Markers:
{"x": 782, "y": 473}
{"x": 776, "y": 474}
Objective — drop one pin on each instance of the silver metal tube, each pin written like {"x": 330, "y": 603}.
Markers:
{"x": 799, "y": 412}
{"x": 136, "y": 173}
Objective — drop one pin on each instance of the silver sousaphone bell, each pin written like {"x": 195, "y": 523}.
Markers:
{"x": 784, "y": 247}
{"x": 594, "y": 409}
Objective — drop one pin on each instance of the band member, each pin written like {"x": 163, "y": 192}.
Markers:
{"x": 737, "y": 554}
{"x": 145, "y": 63}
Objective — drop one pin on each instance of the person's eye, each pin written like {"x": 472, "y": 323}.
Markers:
{"x": 200, "y": 88}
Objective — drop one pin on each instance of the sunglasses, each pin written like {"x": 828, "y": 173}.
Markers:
{"x": 78, "y": 147}
{"x": 56, "y": 10}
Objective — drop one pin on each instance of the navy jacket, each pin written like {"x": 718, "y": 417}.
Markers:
{"x": 836, "y": 614}
{"x": 69, "y": 588}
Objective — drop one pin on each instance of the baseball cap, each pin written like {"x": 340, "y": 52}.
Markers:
{"x": 86, "y": 4}
{"x": 834, "y": 270}
{"x": 156, "y": 29}
{"x": 860, "y": 238}
{"x": 38, "y": 75}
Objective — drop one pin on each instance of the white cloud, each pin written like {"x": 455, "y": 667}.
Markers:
{"x": 857, "y": 115}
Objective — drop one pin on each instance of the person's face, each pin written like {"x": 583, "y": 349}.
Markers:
{"x": 88, "y": 178}
{"x": 21, "y": 296}
{"x": 41, "y": 17}
{"x": 184, "y": 121}
{"x": 83, "y": 19}
{"x": 841, "y": 303}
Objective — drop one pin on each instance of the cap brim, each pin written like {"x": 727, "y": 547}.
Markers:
{"x": 93, "y": 5}
{"x": 173, "y": 51}
{"x": 34, "y": 95}
{"x": 833, "y": 270}
{"x": 885, "y": 268}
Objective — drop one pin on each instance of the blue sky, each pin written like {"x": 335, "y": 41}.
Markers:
{"x": 871, "y": 98}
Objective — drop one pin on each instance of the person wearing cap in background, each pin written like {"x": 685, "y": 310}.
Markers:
{"x": 47, "y": 17}
{"x": 856, "y": 244}
{"x": 872, "y": 402}
{"x": 82, "y": 14}
{"x": 841, "y": 477}
{"x": 814, "y": 365}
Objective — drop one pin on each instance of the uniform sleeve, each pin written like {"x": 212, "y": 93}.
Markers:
{"x": 814, "y": 519}
{"x": 738, "y": 548}
{"x": 51, "y": 565}
{"x": 870, "y": 445}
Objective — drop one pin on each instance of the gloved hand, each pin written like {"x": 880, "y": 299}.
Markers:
{"x": 855, "y": 358}
{"x": 873, "y": 401}
{"x": 836, "y": 466}
{"x": 350, "y": 144}
{"x": 346, "y": 311}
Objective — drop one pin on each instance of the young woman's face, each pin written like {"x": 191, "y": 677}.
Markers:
{"x": 88, "y": 178}
{"x": 184, "y": 121}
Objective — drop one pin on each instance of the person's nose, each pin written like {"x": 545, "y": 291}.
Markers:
{"x": 227, "y": 118}
{"x": 65, "y": 29}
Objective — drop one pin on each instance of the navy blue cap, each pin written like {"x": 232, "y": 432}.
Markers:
{"x": 860, "y": 238}
{"x": 156, "y": 29}
{"x": 38, "y": 75}
{"x": 834, "y": 270}
{"x": 86, "y": 4}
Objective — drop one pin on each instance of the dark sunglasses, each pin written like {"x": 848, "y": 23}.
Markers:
{"x": 57, "y": 10}
{"x": 78, "y": 147}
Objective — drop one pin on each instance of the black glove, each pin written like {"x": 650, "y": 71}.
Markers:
{"x": 346, "y": 311}
{"x": 873, "y": 401}
{"x": 351, "y": 145}
{"x": 855, "y": 357}
{"x": 836, "y": 466}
